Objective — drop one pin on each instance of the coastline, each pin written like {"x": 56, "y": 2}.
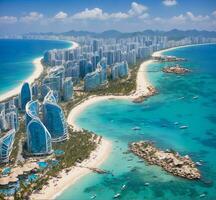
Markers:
{"x": 36, "y": 74}
{"x": 97, "y": 157}
{"x": 103, "y": 150}
{"x": 158, "y": 53}
{"x": 38, "y": 70}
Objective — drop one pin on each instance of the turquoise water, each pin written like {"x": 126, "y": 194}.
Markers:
{"x": 114, "y": 119}
{"x": 16, "y": 58}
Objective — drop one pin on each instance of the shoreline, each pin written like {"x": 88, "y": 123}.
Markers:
{"x": 158, "y": 53}
{"x": 97, "y": 157}
{"x": 141, "y": 89}
{"x": 38, "y": 70}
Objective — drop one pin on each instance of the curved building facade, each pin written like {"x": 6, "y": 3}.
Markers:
{"x": 38, "y": 138}
{"x": 54, "y": 119}
{"x": 25, "y": 95}
{"x": 32, "y": 111}
{"x": 6, "y": 144}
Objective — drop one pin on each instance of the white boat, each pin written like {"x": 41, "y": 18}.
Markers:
{"x": 146, "y": 184}
{"x": 202, "y": 195}
{"x": 198, "y": 163}
{"x": 136, "y": 128}
{"x": 183, "y": 127}
{"x": 195, "y": 97}
{"x": 117, "y": 196}
{"x": 94, "y": 196}
{"x": 123, "y": 187}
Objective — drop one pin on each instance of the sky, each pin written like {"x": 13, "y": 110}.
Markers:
{"x": 22, "y": 16}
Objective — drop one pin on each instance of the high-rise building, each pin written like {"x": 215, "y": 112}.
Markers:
{"x": 38, "y": 138}
{"x": 67, "y": 89}
{"x": 54, "y": 119}
{"x": 91, "y": 81}
{"x": 6, "y": 144}
{"x": 25, "y": 95}
{"x": 95, "y": 45}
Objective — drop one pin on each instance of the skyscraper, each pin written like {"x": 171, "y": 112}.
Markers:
{"x": 67, "y": 89}
{"x": 6, "y": 144}
{"x": 25, "y": 95}
{"x": 38, "y": 138}
{"x": 54, "y": 119}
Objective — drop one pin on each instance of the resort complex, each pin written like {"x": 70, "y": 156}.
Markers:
{"x": 34, "y": 130}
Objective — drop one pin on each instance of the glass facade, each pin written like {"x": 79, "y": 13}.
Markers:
{"x": 25, "y": 95}
{"x": 54, "y": 119}
{"x": 38, "y": 138}
{"x": 6, "y": 144}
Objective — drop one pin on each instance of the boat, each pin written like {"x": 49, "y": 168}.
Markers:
{"x": 146, "y": 184}
{"x": 123, "y": 187}
{"x": 94, "y": 196}
{"x": 202, "y": 195}
{"x": 183, "y": 127}
{"x": 195, "y": 97}
{"x": 136, "y": 128}
{"x": 198, "y": 163}
{"x": 117, "y": 196}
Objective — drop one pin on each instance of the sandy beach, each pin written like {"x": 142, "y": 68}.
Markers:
{"x": 38, "y": 69}
{"x": 57, "y": 185}
{"x": 158, "y": 53}
{"x": 36, "y": 74}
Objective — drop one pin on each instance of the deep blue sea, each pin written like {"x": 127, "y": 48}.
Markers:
{"x": 114, "y": 119}
{"x": 16, "y": 58}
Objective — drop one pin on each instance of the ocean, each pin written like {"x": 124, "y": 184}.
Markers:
{"x": 187, "y": 99}
{"x": 16, "y": 58}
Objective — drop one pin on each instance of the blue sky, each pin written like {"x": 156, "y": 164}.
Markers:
{"x": 20, "y": 16}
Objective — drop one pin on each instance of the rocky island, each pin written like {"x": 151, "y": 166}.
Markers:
{"x": 170, "y": 161}
{"x": 177, "y": 69}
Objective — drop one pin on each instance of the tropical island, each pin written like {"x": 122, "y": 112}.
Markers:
{"x": 169, "y": 160}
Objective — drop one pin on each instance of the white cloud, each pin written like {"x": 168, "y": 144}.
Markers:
{"x": 214, "y": 13}
{"x": 98, "y": 14}
{"x": 61, "y": 15}
{"x": 119, "y": 15}
{"x": 198, "y": 18}
{"x": 8, "y": 19}
{"x": 170, "y": 2}
{"x": 144, "y": 16}
{"x": 31, "y": 17}
{"x": 95, "y": 13}
{"x": 137, "y": 9}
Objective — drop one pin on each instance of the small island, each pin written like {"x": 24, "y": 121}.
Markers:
{"x": 177, "y": 69}
{"x": 170, "y": 161}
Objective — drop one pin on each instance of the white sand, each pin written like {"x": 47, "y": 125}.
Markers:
{"x": 36, "y": 74}
{"x": 57, "y": 185}
{"x": 158, "y": 53}
{"x": 101, "y": 154}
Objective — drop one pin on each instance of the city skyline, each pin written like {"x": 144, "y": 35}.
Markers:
{"x": 97, "y": 16}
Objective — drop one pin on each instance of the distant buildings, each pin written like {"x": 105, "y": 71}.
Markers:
{"x": 67, "y": 89}
{"x": 119, "y": 70}
{"x": 6, "y": 144}
{"x": 25, "y": 95}
{"x": 54, "y": 119}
